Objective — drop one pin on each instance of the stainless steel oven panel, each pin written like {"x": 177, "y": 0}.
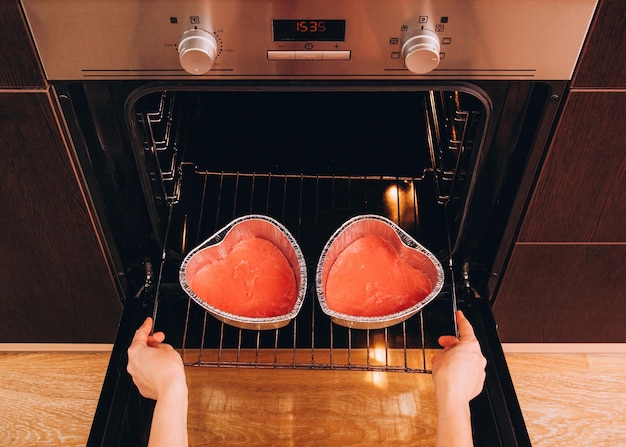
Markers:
{"x": 445, "y": 39}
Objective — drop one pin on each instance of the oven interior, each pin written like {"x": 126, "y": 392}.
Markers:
{"x": 311, "y": 159}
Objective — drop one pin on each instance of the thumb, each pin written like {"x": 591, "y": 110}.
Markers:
{"x": 142, "y": 334}
{"x": 448, "y": 341}
{"x": 466, "y": 331}
{"x": 156, "y": 339}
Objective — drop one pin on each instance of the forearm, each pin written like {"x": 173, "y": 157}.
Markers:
{"x": 454, "y": 428}
{"x": 169, "y": 420}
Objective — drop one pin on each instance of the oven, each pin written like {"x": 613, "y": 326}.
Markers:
{"x": 185, "y": 116}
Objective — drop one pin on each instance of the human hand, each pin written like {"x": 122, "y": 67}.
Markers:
{"x": 156, "y": 367}
{"x": 459, "y": 368}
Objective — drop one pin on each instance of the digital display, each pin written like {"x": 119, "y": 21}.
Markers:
{"x": 309, "y": 30}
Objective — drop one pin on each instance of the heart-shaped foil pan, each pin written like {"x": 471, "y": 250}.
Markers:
{"x": 407, "y": 249}
{"x": 218, "y": 246}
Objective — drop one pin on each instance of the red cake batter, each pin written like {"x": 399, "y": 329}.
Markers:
{"x": 253, "y": 280}
{"x": 369, "y": 279}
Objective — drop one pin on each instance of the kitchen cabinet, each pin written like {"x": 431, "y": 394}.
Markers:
{"x": 55, "y": 285}
{"x": 19, "y": 65}
{"x": 564, "y": 279}
{"x": 581, "y": 193}
{"x": 603, "y": 64}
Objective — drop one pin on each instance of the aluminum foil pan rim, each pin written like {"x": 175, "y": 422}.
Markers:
{"x": 381, "y": 320}
{"x": 238, "y": 320}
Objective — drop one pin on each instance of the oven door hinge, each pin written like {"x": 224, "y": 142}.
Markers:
{"x": 148, "y": 284}
{"x": 468, "y": 292}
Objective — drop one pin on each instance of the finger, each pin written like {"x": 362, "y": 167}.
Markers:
{"x": 156, "y": 339}
{"x": 142, "y": 334}
{"x": 159, "y": 336}
{"x": 448, "y": 341}
{"x": 466, "y": 331}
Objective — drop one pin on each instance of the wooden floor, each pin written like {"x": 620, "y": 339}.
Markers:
{"x": 572, "y": 399}
{"x": 48, "y": 398}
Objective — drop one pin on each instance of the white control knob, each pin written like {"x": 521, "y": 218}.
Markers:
{"x": 197, "y": 50}
{"x": 420, "y": 50}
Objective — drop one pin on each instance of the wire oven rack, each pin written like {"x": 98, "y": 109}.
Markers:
{"x": 199, "y": 202}
{"x": 312, "y": 340}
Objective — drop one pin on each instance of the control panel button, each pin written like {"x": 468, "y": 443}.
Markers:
{"x": 336, "y": 55}
{"x": 309, "y": 55}
{"x": 281, "y": 55}
{"x": 286, "y": 55}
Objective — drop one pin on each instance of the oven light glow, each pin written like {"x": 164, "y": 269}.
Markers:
{"x": 378, "y": 354}
{"x": 401, "y": 204}
{"x": 391, "y": 195}
{"x": 377, "y": 351}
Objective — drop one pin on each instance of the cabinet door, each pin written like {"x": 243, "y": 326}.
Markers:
{"x": 563, "y": 293}
{"x": 19, "y": 64}
{"x": 55, "y": 285}
{"x": 564, "y": 282}
{"x": 581, "y": 193}
{"x": 602, "y": 63}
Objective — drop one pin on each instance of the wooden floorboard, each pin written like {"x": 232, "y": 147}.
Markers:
{"x": 573, "y": 399}
{"x": 49, "y": 399}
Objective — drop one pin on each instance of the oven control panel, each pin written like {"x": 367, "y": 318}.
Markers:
{"x": 324, "y": 39}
